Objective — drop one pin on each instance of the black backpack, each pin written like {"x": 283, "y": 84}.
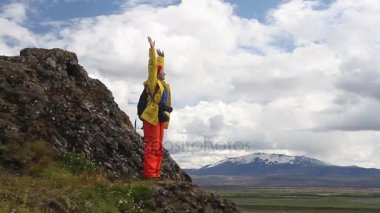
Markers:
{"x": 143, "y": 101}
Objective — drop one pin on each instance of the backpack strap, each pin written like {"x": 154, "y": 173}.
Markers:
{"x": 150, "y": 94}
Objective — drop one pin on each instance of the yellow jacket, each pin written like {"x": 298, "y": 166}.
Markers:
{"x": 150, "y": 113}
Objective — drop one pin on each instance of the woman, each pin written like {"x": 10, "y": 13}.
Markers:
{"x": 156, "y": 115}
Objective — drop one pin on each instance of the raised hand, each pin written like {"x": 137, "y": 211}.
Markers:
{"x": 160, "y": 53}
{"x": 151, "y": 42}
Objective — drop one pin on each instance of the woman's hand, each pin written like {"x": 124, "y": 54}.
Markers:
{"x": 160, "y": 53}
{"x": 151, "y": 42}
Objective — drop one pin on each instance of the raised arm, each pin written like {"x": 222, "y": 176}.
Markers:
{"x": 152, "y": 66}
{"x": 160, "y": 53}
{"x": 160, "y": 58}
{"x": 151, "y": 42}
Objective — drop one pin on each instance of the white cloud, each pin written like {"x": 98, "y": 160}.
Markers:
{"x": 134, "y": 3}
{"x": 13, "y": 35}
{"x": 14, "y": 11}
{"x": 357, "y": 116}
{"x": 303, "y": 83}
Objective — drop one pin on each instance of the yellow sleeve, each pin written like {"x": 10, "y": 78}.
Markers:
{"x": 152, "y": 69}
{"x": 160, "y": 61}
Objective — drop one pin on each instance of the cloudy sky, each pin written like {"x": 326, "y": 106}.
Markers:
{"x": 293, "y": 77}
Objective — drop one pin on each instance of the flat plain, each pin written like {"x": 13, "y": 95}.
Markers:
{"x": 301, "y": 199}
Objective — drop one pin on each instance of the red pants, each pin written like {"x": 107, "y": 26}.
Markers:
{"x": 153, "y": 150}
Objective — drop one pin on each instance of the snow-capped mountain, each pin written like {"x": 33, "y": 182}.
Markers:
{"x": 263, "y": 164}
{"x": 269, "y": 160}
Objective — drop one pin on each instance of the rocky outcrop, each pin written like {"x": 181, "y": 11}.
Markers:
{"x": 45, "y": 94}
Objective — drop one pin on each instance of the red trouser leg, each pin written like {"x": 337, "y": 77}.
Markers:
{"x": 162, "y": 149}
{"x": 153, "y": 150}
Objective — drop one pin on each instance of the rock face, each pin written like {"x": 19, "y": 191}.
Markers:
{"x": 185, "y": 197}
{"x": 45, "y": 94}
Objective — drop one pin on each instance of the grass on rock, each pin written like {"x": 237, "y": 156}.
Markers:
{"x": 32, "y": 180}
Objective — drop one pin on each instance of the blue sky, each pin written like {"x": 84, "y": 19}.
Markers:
{"x": 61, "y": 10}
{"x": 295, "y": 77}
{"x": 254, "y": 9}
{"x": 41, "y": 13}
{"x": 58, "y": 10}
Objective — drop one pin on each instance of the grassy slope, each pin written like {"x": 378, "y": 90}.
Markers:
{"x": 37, "y": 182}
{"x": 57, "y": 188}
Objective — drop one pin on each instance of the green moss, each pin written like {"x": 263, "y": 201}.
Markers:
{"x": 20, "y": 156}
{"x": 114, "y": 198}
{"x": 78, "y": 163}
{"x": 2, "y": 153}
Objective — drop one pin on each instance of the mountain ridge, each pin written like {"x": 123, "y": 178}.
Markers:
{"x": 266, "y": 158}
{"x": 279, "y": 169}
